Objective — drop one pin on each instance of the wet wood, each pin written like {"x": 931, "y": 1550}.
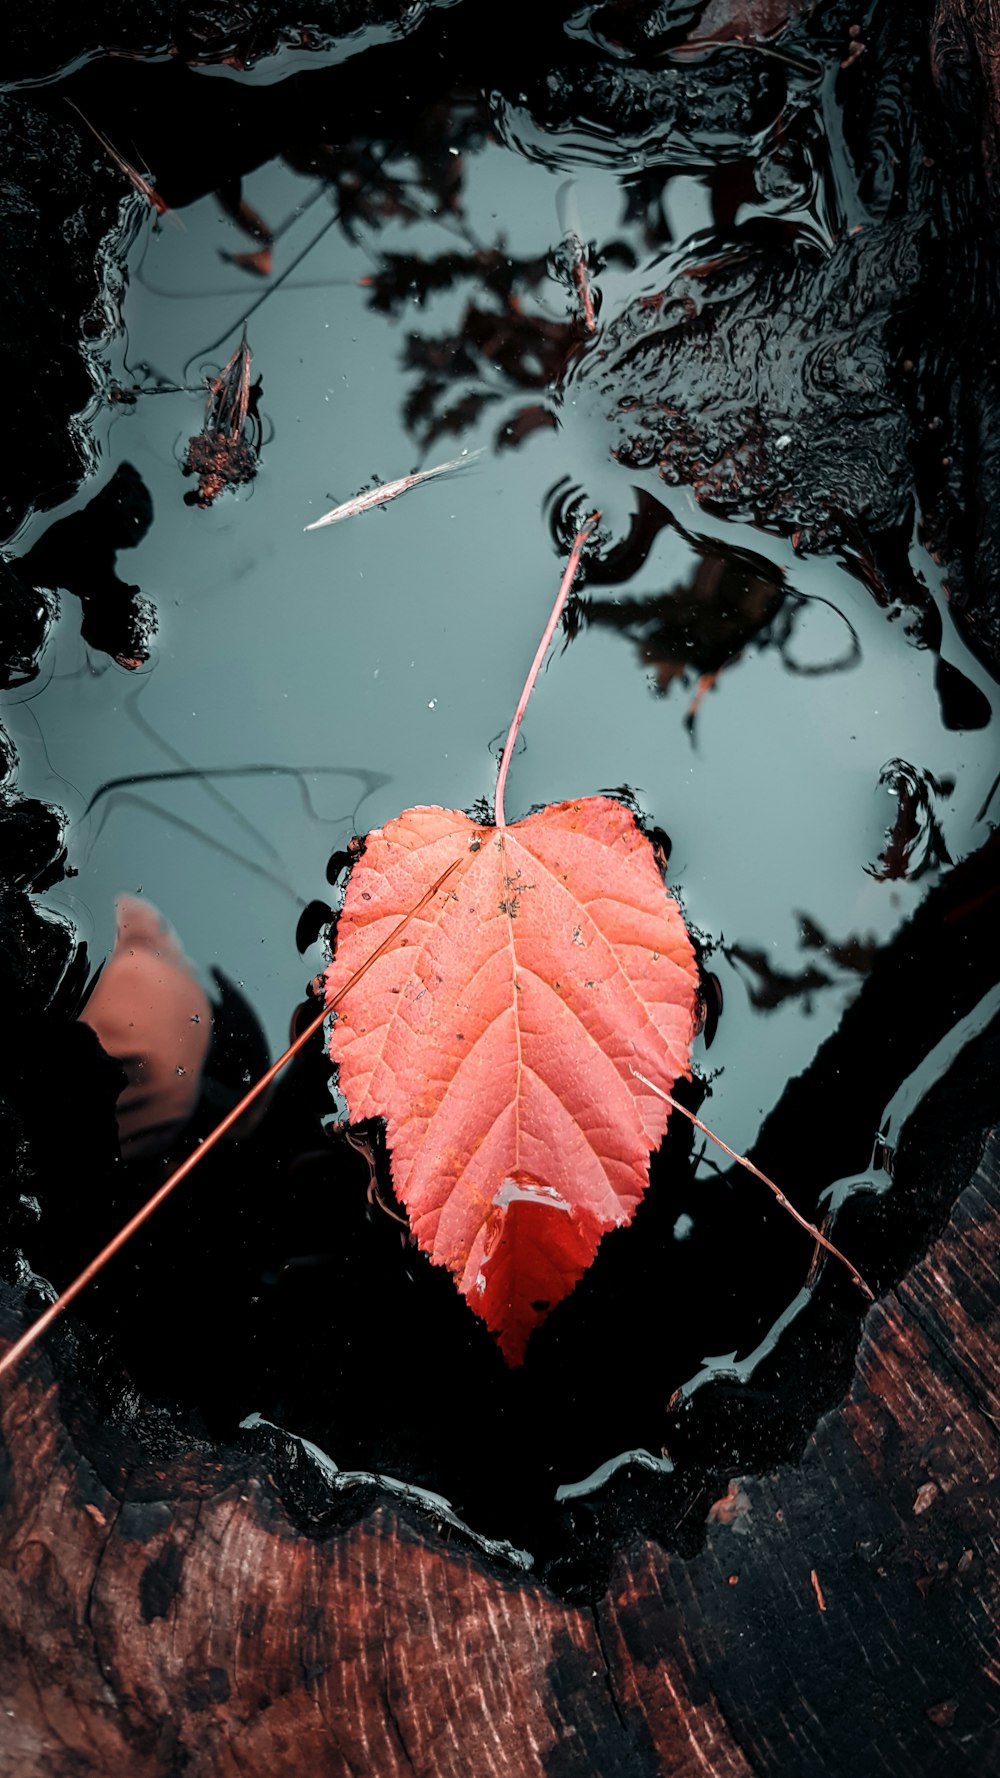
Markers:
{"x": 964, "y": 44}
{"x": 842, "y": 1616}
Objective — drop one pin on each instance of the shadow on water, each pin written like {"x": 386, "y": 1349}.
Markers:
{"x": 758, "y": 650}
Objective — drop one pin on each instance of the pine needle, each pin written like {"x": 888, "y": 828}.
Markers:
{"x": 386, "y": 491}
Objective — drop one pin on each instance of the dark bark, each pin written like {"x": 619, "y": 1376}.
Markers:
{"x": 841, "y": 1617}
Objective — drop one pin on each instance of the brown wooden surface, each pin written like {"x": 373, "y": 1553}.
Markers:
{"x": 842, "y": 1617}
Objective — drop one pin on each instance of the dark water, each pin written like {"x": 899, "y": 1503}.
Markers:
{"x": 301, "y": 688}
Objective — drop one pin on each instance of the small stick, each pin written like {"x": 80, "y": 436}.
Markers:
{"x": 582, "y": 283}
{"x": 809, "y": 1227}
{"x": 583, "y": 290}
{"x": 45, "y": 1320}
{"x": 499, "y": 819}
{"x": 142, "y": 185}
{"x": 388, "y": 491}
{"x": 567, "y": 212}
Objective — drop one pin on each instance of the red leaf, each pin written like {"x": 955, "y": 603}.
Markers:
{"x": 498, "y": 1035}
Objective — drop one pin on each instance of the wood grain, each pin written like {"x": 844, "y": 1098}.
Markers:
{"x": 841, "y": 1617}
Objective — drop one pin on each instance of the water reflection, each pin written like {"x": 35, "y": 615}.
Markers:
{"x": 78, "y": 554}
{"x": 732, "y": 601}
{"x": 915, "y": 842}
{"x": 769, "y": 986}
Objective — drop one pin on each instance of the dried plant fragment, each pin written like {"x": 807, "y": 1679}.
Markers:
{"x": 225, "y": 454}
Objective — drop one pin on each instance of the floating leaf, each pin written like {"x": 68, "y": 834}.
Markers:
{"x": 498, "y": 1037}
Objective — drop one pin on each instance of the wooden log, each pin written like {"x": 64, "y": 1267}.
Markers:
{"x": 842, "y": 1616}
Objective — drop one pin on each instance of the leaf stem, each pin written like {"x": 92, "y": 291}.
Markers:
{"x": 499, "y": 819}
{"x": 45, "y": 1320}
{"x": 809, "y": 1227}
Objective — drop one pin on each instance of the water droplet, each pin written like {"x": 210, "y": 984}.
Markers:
{"x": 180, "y": 1070}
{"x": 433, "y": 704}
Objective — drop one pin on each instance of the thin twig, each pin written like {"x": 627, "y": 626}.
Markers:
{"x": 809, "y": 1227}
{"x": 529, "y": 684}
{"x": 151, "y": 195}
{"x": 582, "y": 282}
{"x": 45, "y": 1320}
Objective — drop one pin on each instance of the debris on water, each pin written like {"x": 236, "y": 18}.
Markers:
{"x": 385, "y": 491}
{"x": 226, "y": 453}
{"x": 915, "y": 842}
{"x": 572, "y": 258}
{"x": 141, "y": 185}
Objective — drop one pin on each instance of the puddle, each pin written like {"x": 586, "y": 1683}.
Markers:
{"x": 765, "y": 710}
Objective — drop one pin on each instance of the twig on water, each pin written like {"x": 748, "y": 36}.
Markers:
{"x": 142, "y": 186}
{"x": 583, "y": 291}
{"x": 15, "y": 1352}
{"x": 555, "y": 614}
{"x": 809, "y": 1227}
